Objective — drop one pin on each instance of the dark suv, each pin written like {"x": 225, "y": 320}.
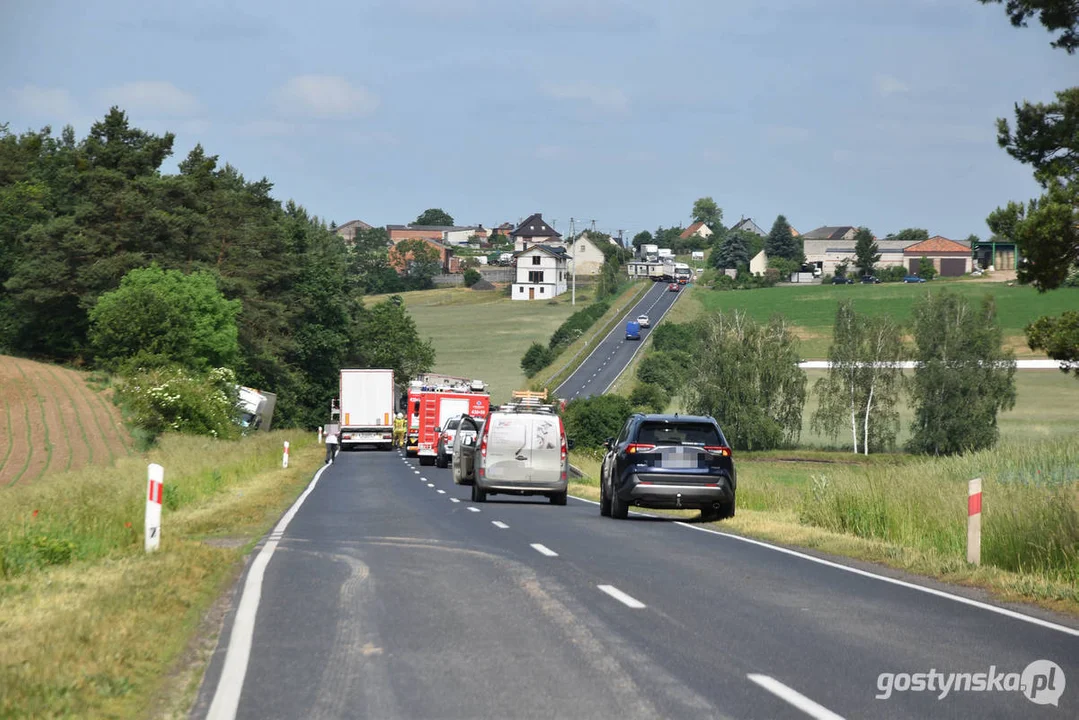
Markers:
{"x": 668, "y": 461}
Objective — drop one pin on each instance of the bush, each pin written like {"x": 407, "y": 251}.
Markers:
{"x": 661, "y": 369}
{"x": 926, "y": 269}
{"x": 675, "y": 336}
{"x": 590, "y": 421}
{"x": 536, "y": 358}
{"x": 472, "y": 276}
{"x": 174, "y": 399}
{"x": 895, "y": 273}
{"x": 577, "y": 324}
{"x": 649, "y": 398}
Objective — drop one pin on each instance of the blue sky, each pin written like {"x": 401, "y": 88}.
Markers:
{"x": 833, "y": 112}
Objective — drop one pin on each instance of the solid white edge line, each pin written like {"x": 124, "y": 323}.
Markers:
{"x": 544, "y": 550}
{"x": 795, "y": 698}
{"x": 621, "y": 597}
{"x": 500, "y": 524}
{"x": 230, "y": 684}
{"x": 901, "y": 583}
{"x": 865, "y": 573}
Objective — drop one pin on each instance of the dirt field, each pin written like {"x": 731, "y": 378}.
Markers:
{"x": 52, "y": 421}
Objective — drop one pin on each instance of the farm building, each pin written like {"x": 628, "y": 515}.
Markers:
{"x": 950, "y": 258}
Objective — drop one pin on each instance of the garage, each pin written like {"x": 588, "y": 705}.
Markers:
{"x": 953, "y": 267}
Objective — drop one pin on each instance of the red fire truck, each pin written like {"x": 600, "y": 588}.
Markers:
{"x": 432, "y": 400}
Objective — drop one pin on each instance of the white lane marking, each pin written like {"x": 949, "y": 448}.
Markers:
{"x": 430, "y": 484}
{"x": 440, "y": 492}
{"x": 902, "y": 583}
{"x": 227, "y": 696}
{"x": 544, "y": 550}
{"x": 454, "y": 500}
{"x": 795, "y": 698}
{"x": 621, "y": 597}
{"x": 473, "y": 509}
{"x": 416, "y": 471}
{"x": 500, "y": 524}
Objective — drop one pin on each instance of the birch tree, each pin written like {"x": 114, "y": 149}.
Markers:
{"x": 862, "y": 387}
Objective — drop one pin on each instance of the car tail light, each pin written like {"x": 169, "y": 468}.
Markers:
{"x": 634, "y": 448}
{"x": 562, "y": 429}
{"x": 719, "y": 450}
{"x": 483, "y": 439}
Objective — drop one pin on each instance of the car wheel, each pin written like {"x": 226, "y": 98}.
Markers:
{"x": 558, "y": 498}
{"x": 478, "y": 494}
{"x": 440, "y": 460}
{"x": 619, "y": 507}
{"x": 604, "y": 501}
{"x": 709, "y": 515}
{"x": 426, "y": 460}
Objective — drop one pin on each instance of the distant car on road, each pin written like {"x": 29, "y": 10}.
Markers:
{"x": 643, "y": 321}
{"x": 673, "y": 287}
{"x": 841, "y": 280}
{"x": 668, "y": 461}
{"x": 913, "y": 279}
{"x": 870, "y": 280}
{"x": 446, "y": 440}
{"x": 633, "y": 330}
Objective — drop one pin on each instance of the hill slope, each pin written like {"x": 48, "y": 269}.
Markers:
{"x": 51, "y": 421}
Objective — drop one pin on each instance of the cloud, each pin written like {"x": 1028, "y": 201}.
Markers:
{"x": 785, "y": 134}
{"x": 45, "y": 102}
{"x": 155, "y": 97}
{"x": 599, "y": 96}
{"x": 325, "y": 96}
{"x": 886, "y": 85}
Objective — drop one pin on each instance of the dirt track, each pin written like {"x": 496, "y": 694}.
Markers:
{"x": 51, "y": 421}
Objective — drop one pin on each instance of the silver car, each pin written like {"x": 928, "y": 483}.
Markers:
{"x": 444, "y": 450}
{"x": 521, "y": 450}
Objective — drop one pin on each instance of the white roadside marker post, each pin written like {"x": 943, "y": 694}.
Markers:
{"x": 974, "y": 521}
{"x": 155, "y": 485}
{"x": 284, "y": 457}
{"x": 320, "y": 435}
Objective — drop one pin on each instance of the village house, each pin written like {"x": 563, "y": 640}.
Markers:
{"x": 829, "y": 246}
{"x": 588, "y": 259}
{"x": 399, "y": 261}
{"x": 348, "y": 230}
{"x": 697, "y": 229}
{"x": 535, "y": 231}
{"x": 950, "y": 258}
{"x": 542, "y": 273}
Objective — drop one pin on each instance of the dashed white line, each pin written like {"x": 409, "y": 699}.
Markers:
{"x": 454, "y": 500}
{"x": 430, "y": 484}
{"x": 795, "y": 698}
{"x": 499, "y": 524}
{"x": 621, "y": 597}
{"x": 441, "y": 492}
{"x": 544, "y": 550}
{"x": 473, "y": 509}
{"x": 416, "y": 471}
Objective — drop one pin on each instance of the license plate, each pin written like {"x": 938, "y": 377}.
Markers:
{"x": 367, "y": 437}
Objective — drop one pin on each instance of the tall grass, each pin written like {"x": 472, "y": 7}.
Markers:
{"x": 1030, "y": 510}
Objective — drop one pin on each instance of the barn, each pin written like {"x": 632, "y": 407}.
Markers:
{"x": 950, "y": 258}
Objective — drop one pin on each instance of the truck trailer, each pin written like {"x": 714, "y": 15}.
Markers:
{"x": 256, "y": 408}
{"x": 365, "y": 408}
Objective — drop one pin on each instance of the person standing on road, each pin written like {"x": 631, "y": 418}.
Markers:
{"x": 399, "y": 430}
{"x": 331, "y": 443}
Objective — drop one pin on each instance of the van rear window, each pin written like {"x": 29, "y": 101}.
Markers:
{"x": 679, "y": 433}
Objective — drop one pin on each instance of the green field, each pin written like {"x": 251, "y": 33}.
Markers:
{"x": 483, "y": 335}
{"x": 811, "y": 308}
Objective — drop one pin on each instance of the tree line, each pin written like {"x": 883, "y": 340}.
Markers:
{"x": 106, "y": 261}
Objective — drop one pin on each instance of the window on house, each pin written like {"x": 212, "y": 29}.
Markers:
{"x": 535, "y": 259}
{"x": 541, "y": 291}
{"x": 535, "y": 276}
{"x": 582, "y": 247}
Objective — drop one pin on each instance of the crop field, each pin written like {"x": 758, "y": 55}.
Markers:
{"x": 51, "y": 421}
{"x": 811, "y": 308}
{"x": 483, "y": 334}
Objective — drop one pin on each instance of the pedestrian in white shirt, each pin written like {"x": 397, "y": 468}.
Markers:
{"x": 331, "y": 444}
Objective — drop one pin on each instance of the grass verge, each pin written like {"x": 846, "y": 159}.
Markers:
{"x": 909, "y": 513}
{"x": 89, "y": 623}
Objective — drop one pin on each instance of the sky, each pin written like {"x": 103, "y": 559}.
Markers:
{"x": 832, "y": 112}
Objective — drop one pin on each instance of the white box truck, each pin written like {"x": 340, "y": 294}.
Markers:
{"x": 367, "y": 408}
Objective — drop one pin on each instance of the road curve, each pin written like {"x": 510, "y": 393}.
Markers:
{"x": 391, "y": 595}
{"x": 607, "y": 361}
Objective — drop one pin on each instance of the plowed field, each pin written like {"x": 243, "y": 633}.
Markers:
{"x": 51, "y": 421}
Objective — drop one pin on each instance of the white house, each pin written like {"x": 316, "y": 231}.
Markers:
{"x": 758, "y": 264}
{"x": 698, "y": 229}
{"x": 542, "y": 273}
{"x": 587, "y": 257}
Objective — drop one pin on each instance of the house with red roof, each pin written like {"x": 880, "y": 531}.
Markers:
{"x": 950, "y": 258}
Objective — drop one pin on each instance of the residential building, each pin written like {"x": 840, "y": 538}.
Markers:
{"x": 446, "y": 234}
{"x": 758, "y": 264}
{"x": 535, "y": 231}
{"x": 399, "y": 261}
{"x": 348, "y": 230}
{"x": 997, "y": 253}
{"x": 588, "y": 259}
{"x": 748, "y": 225}
{"x": 698, "y": 229}
{"x": 829, "y": 246}
{"x": 542, "y": 272}
{"x": 950, "y": 258}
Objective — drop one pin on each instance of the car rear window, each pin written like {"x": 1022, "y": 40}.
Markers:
{"x": 679, "y": 433}
{"x": 452, "y": 424}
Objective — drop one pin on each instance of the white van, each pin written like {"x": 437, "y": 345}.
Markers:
{"x": 521, "y": 450}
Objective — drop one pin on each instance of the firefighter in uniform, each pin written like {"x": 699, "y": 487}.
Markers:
{"x": 399, "y": 430}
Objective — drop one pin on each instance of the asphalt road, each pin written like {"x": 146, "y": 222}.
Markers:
{"x": 391, "y": 595}
{"x": 607, "y": 361}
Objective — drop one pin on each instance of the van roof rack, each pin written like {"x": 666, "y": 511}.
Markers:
{"x": 527, "y": 401}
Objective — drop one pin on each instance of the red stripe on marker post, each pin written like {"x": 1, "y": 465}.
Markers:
{"x": 974, "y": 521}
{"x": 284, "y": 457}
{"x": 155, "y": 483}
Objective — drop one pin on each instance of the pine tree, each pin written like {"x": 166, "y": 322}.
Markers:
{"x": 782, "y": 243}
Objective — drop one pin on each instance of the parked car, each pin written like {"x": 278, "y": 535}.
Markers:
{"x": 673, "y": 287}
{"x": 841, "y": 280}
{"x": 633, "y": 330}
{"x": 643, "y": 321}
{"x": 913, "y": 279}
{"x": 668, "y": 461}
{"x": 447, "y": 438}
{"x": 522, "y": 450}
{"x": 464, "y": 449}
{"x": 870, "y": 280}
